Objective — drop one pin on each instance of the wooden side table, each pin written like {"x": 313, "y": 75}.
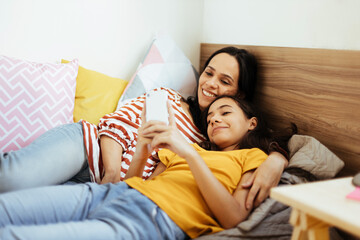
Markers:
{"x": 320, "y": 205}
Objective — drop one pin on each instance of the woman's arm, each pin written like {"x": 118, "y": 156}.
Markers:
{"x": 266, "y": 176}
{"x": 117, "y": 132}
{"x": 111, "y": 153}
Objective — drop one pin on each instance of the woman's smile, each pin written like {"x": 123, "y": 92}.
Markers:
{"x": 208, "y": 94}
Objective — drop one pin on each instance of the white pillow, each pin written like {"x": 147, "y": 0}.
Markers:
{"x": 164, "y": 65}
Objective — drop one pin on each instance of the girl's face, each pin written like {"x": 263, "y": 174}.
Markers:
{"x": 227, "y": 124}
{"x": 220, "y": 77}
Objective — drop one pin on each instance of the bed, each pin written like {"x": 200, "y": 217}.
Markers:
{"x": 319, "y": 91}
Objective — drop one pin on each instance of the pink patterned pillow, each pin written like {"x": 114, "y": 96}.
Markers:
{"x": 34, "y": 97}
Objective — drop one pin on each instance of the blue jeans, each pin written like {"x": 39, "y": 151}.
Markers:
{"x": 55, "y": 157}
{"x": 83, "y": 211}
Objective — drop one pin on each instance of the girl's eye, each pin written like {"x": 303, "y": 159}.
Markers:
{"x": 208, "y": 73}
{"x": 225, "y": 113}
{"x": 225, "y": 82}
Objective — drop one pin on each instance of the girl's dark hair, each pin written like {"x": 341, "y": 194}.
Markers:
{"x": 261, "y": 136}
{"x": 246, "y": 82}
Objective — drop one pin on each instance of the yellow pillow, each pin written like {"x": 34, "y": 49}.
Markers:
{"x": 96, "y": 94}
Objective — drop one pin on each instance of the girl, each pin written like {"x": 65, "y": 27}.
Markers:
{"x": 82, "y": 152}
{"x": 192, "y": 192}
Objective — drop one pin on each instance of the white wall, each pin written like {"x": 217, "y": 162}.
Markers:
{"x": 110, "y": 36}
{"x": 333, "y": 24}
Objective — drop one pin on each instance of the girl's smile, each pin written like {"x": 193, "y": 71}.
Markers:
{"x": 217, "y": 129}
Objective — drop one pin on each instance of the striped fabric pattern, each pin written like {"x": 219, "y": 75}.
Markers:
{"x": 34, "y": 97}
{"x": 122, "y": 126}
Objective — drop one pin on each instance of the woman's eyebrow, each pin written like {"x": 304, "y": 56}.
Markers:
{"x": 228, "y": 76}
{"x": 223, "y": 74}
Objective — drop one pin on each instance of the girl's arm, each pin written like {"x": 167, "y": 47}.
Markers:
{"x": 241, "y": 194}
{"x": 228, "y": 209}
{"x": 266, "y": 176}
{"x": 143, "y": 149}
{"x": 138, "y": 162}
{"x": 159, "y": 169}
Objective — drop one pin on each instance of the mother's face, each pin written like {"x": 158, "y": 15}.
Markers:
{"x": 220, "y": 77}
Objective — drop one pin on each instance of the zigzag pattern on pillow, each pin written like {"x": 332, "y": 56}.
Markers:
{"x": 34, "y": 97}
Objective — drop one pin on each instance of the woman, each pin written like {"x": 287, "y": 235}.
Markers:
{"x": 68, "y": 152}
{"x": 192, "y": 192}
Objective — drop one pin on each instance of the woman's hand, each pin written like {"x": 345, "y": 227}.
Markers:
{"x": 266, "y": 176}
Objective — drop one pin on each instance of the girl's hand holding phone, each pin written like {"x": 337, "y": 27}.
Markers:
{"x": 160, "y": 135}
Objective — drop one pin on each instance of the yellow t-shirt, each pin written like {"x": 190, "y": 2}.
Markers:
{"x": 176, "y": 192}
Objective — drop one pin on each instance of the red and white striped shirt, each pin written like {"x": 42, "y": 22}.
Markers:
{"x": 122, "y": 126}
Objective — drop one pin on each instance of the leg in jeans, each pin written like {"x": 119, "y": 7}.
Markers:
{"x": 53, "y": 158}
{"x": 55, "y": 212}
{"x": 84, "y": 211}
{"x": 134, "y": 216}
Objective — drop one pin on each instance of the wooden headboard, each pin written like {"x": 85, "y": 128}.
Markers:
{"x": 318, "y": 89}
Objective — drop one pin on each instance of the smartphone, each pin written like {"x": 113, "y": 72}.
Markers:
{"x": 156, "y": 106}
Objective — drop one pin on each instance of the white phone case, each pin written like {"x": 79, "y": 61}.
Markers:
{"x": 156, "y": 107}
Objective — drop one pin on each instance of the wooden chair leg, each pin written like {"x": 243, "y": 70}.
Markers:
{"x": 319, "y": 233}
{"x": 298, "y": 232}
{"x": 308, "y": 227}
